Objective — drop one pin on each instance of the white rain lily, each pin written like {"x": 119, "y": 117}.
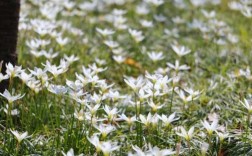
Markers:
{"x": 138, "y": 151}
{"x": 247, "y": 105}
{"x": 3, "y": 77}
{"x": 129, "y": 120}
{"x": 149, "y": 120}
{"x": 93, "y": 109}
{"x": 177, "y": 67}
{"x": 19, "y": 136}
{"x": 94, "y": 140}
{"x": 193, "y": 93}
{"x": 105, "y": 129}
{"x": 210, "y": 128}
{"x": 13, "y": 71}
{"x": 180, "y": 50}
{"x": 71, "y": 59}
{"x": 115, "y": 95}
{"x": 185, "y": 98}
{"x": 108, "y": 147}
{"x": 11, "y": 98}
{"x": 156, "y": 56}
{"x": 204, "y": 148}
{"x": 154, "y": 106}
{"x": 62, "y": 41}
{"x": 111, "y": 113}
{"x": 155, "y": 151}
{"x": 137, "y": 35}
{"x": 105, "y": 32}
{"x": 188, "y": 135}
{"x": 119, "y": 59}
{"x": 111, "y": 44}
{"x": 135, "y": 84}
{"x": 143, "y": 94}
{"x": 155, "y": 2}
{"x": 168, "y": 120}
{"x": 95, "y": 69}
{"x": 57, "y": 89}
{"x": 13, "y": 112}
{"x": 25, "y": 77}
{"x": 79, "y": 115}
{"x": 54, "y": 70}
{"x": 71, "y": 153}
{"x": 222, "y": 136}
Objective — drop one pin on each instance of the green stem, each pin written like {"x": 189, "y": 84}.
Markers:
{"x": 170, "y": 109}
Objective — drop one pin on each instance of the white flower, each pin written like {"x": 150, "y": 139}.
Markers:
{"x": 119, "y": 59}
{"x": 154, "y": 106}
{"x": 155, "y": 56}
{"x": 182, "y": 95}
{"x": 147, "y": 24}
{"x": 105, "y": 129}
{"x": 13, "y": 112}
{"x": 155, "y": 2}
{"x": 143, "y": 94}
{"x": 139, "y": 152}
{"x": 105, "y": 32}
{"x": 168, "y": 120}
{"x": 247, "y": 105}
{"x": 177, "y": 67}
{"x": 137, "y": 35}
{"x": 71, "y": 59}
{"x": 62, "y": 41}
{"x": 13, "y": 71}
{"x": 180, "y": 50}
{"x": 187, "y": 135}
{"x": 96, "y": 142}
{"x": 93, "y": 109}
{"x": 155, "y": 151}
{"x": 111, "y": 44}
{"x": 115, "y": 95}
{"x": 204, "y": 148}
{"x": 193, "y": 93}
{"x": 34, "y": 85}
{"x": 135, "y": 84}
{"x": 95, "y": 69}
{"x": 108, "y": 147}
{"x": 25, "y": 77}
{"x": 11, "y": 98}
{"x": 55, "y": 70}
{"x": 222, "y": 136}
{"x": 111, "y": 113}
{"x": 3, "y": 77}
{"x": 247, "y": 12}
{"x": 50, "y": 54}
{"x": 79, "y": 115}
{"x": 129, "y": 120}
{"x": 19, "y": 136}
{"x": 210, "y": 128}
{"x": 57, "y": 89}
{"x": 70, "y": 153}
{"x": 150, "y": 119}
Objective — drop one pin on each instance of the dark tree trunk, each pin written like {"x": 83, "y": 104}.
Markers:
{"x": 9, "y": 17}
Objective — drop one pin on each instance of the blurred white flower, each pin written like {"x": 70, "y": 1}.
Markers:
{"x": 19, "y": 136}
{"x": 188, "y": 135}
{"x": 105, "y": 32}
{"x": 180, "y": 50}
{"x": 11, "y": 98}
{"x": 156, "y": 56}
{"x": 168, "y": 120}
{"x": 210, "y": 128}
{"x": 247, "y": 105}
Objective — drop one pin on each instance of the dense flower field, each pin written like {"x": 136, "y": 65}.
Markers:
{"x": 130, "y": 77}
